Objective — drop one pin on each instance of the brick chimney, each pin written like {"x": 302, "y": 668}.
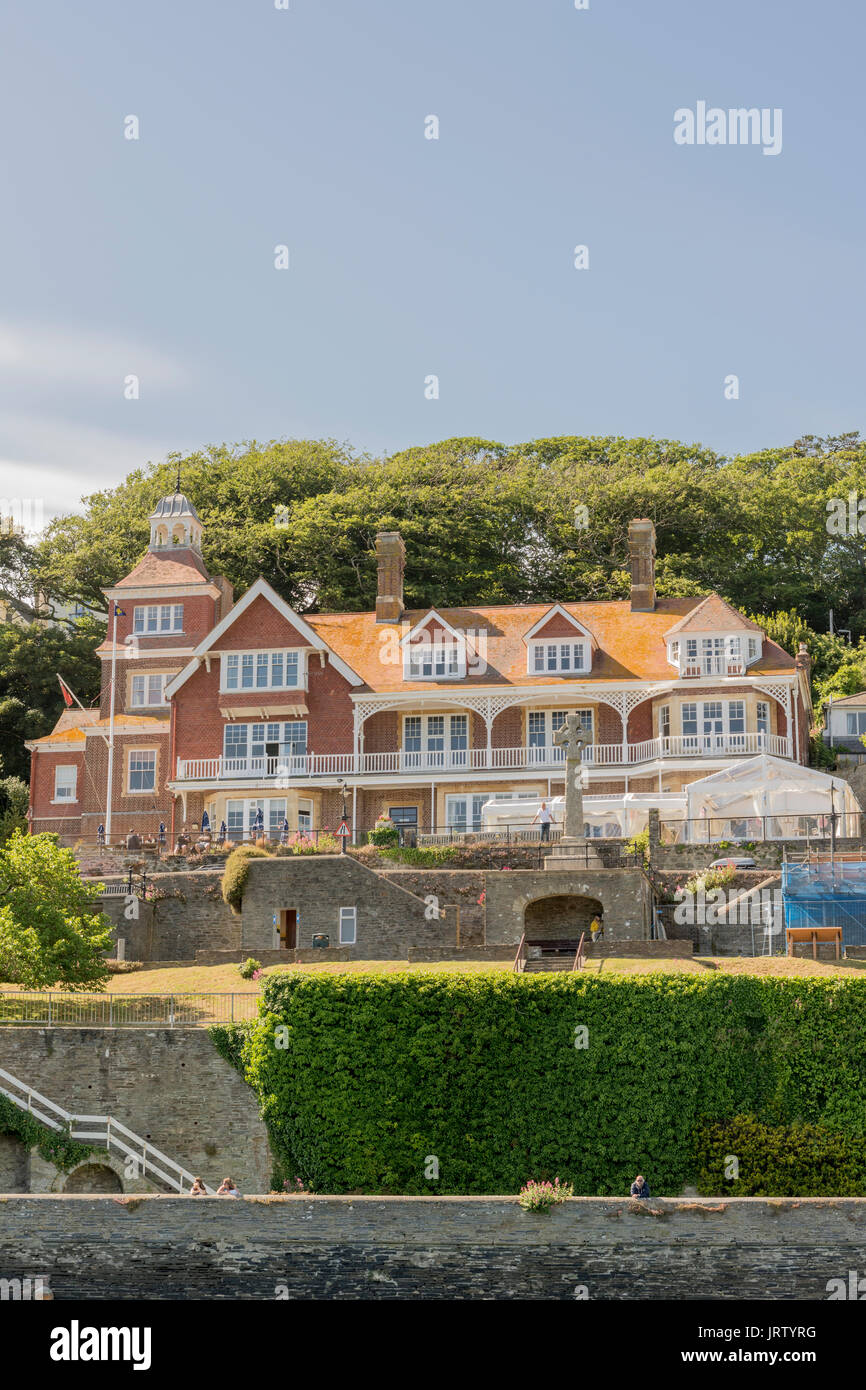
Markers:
{"x": 803, "y": 661}
{"x": 642, "y": 551}
{"x": 391, "y": 557}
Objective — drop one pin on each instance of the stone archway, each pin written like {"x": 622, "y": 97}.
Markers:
{"x": 560, "y": 917}
{"x": 94, "y": 1177}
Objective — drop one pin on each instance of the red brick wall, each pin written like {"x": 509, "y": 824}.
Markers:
{"x": 42, "y": 765}
{"x": 261, "y": 626}
{"x": 640, "y": 723}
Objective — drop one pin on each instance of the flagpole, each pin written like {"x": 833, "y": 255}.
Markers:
{"x": 111, "y": 722}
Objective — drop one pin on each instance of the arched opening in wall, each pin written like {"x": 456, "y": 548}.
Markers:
{"x": 178, "y": 535}
{"x": 13, "y": 1164}
{"x": 560, "y": 921}
{"x": 93, "y": 1177}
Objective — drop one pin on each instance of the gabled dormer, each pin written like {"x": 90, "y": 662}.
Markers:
{"x": 434, "y": 650}
{"x": 713, "y": 640}
{"x": 558, "y": 645}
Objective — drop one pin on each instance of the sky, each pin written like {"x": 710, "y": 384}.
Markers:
{"x": 409, "y": 257}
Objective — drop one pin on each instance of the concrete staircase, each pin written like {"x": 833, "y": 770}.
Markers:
{"x": 548, "y": 964}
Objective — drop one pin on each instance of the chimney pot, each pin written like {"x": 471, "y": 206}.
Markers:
{"x": 391, "y": 562}
{"x": 642, "y": 552}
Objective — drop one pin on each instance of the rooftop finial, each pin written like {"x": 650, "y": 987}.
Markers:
{"x": 177, "y": 484}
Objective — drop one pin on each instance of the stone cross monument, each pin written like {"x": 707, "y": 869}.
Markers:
{"x": 573, "y": 738}
{"x": 574, "y": 849}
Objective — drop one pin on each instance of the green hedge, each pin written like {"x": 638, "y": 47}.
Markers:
{"x": 381, "y": 1072}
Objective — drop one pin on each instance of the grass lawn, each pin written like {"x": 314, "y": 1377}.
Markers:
{"x": 225, "y": 979}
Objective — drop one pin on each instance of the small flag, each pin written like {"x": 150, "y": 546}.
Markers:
{"x": 68, "y": 697}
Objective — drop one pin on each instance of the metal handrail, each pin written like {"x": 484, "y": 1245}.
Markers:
{"x": 520, "y": 958}
{"x": 579, "y": 956}
{"x": 103, "y": 1129}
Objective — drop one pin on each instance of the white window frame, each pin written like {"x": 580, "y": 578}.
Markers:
{"x": 60, "y": 783}
{"x": 147, "y": 677}
{"x": 140, "y": 752}
{"x": 557, "y": 657}
{"x": 435, "y": 660}
{"x": 347, "y": 915}
{"x": 235, "y": 665}
{"x": 157, "y": 619}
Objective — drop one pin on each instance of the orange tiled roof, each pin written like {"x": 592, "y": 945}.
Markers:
{"x": 63, "y": 734}
{"x": 631, "y": 646}
{"x": 713, "y": 614}
{"x": 161, "y": 567}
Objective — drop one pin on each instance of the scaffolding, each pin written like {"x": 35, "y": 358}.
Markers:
{"x": 827, "y": 891}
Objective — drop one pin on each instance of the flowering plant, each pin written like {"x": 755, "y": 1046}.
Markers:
{"x": 541, "y": 1196}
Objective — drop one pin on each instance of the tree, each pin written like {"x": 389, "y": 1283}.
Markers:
{"x": 31, "y": 659}
{"x": 14, "y": 801}
{"x": 51, "y": 928}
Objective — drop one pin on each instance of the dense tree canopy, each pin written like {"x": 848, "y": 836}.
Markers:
{"x": 774, "y": 532}
{"x": 486, "y": 521}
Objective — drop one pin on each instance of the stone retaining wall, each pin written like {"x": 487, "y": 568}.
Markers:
{"x": 169, "y": 1086}
{"x": 354, "y": 1248}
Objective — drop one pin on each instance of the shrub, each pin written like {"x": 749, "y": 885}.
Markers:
{"x": 235, "y": 873}
{"x": 427, "y": 858}
{"x": 797, "y": 1160}
{"x": 541, "y": 1196}
{"x": 384, "y": 832}
{"x": 713, "y": 878}
{"x": 250, "y": 968}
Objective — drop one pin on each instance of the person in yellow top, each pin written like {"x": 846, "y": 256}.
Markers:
{"x": 596, "y": 928}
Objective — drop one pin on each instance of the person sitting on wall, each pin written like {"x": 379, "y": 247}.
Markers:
{"x": 640, "y": 1187}
{"x": 198, "y": 1188}
{"x": 228, "y": 1189}
{"x": 182, "y": 843}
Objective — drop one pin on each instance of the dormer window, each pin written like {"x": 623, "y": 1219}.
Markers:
{"x": 557, "y": 658}
{"x": 713, "y": 656}
{"x": 438, "y": 660}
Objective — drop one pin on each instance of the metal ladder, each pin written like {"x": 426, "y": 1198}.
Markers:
{"x": 100, "y": 1129}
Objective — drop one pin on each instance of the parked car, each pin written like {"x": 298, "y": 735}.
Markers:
{"x": 731, "y": 862}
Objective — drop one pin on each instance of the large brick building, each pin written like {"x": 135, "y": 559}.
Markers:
{"x": 235, "y": 707}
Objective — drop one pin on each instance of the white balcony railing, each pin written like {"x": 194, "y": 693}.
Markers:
{"x": 713, "y": 666}
{"x": 403, "y": 763}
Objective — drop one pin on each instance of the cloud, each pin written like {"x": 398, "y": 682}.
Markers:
{"x": 49, "y": 463}
{"x": 52, "y": 354}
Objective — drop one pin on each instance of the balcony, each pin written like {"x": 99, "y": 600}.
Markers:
{"x": 713, "y": 666}
{"x": 400, "y": 763}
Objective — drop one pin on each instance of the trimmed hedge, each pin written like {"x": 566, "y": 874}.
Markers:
{"x": 375, "y": 1074}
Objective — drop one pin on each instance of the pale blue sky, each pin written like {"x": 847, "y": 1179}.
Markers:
{"x": 410, "y": 256}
